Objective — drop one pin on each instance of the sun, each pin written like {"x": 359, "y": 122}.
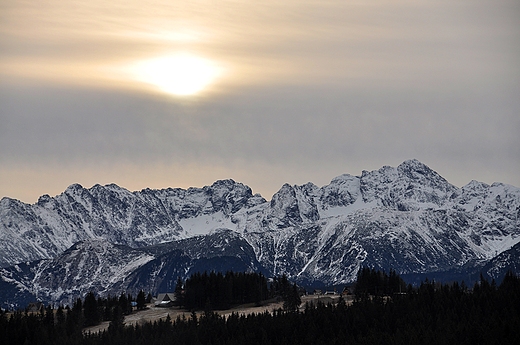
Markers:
{"x": 179, "y": 75}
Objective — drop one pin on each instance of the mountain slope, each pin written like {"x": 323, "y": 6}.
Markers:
{"x": 109, "y": 269}
{"x": 138, "y": 219}
{"x": 407, "y": 218}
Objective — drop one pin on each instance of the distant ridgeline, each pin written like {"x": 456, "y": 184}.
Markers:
{"x": 107, "y": 239}
{"x": 432, "y": 313}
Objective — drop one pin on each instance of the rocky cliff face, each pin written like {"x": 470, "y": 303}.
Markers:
{"x": 407, "y": 218}
{"x": 109, "y": 269}
{"x": 138, "y": 219}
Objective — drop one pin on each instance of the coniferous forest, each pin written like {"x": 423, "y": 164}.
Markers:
{"x": 217, "y": 291}
{"x": 385, "y": 311}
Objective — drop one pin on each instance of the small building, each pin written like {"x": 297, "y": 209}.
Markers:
{"x": 165, "y": 299}
{"x": 34, "y": 307}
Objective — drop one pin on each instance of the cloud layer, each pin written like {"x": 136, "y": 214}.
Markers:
{"x": 311, "y": 90}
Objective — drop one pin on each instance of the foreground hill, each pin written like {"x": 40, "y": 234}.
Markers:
{"x": 407, "y": 218}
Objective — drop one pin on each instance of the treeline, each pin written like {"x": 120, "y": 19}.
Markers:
{"x": 95, "y": 310}
{"x": 429, "y": 314}
{"x": 220, "y": 291}
{"x": 378, "y": 283}
{"x": 64, "y": 325}
{"x": 217, "y": 291}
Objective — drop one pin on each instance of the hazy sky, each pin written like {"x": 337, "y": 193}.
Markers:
{"x": 182, "y": 93}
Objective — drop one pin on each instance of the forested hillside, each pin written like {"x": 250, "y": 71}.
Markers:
{"x": 429, "y": 314}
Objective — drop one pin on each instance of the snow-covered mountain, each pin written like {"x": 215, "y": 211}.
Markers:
{"x": 112, "y": 213}
{"x": 109, "y": 269}
{"x": 407, "y": 218}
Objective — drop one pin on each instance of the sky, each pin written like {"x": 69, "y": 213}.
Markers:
{"x": 173, "y": 93}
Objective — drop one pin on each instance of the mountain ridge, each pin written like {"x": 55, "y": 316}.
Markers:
{"x": 407, "y": 218}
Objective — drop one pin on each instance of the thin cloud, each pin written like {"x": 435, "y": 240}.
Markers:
{"x": 311, "y": 90}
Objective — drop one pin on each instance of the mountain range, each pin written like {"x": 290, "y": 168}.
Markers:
{"x": 107, "y": 239}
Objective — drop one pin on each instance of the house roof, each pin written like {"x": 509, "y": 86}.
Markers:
{"x": 167, "y": 296}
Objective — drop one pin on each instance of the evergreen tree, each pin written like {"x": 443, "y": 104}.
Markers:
{"x": 125, "y": 304}
{"x": 118, "y": 320}
{"x": 141, "y": 300}
{"x": 291, "y": 298}
{"x": 74, "y": 320}
{"x": 90, "y": 310}
{"x": 60, "y": 320}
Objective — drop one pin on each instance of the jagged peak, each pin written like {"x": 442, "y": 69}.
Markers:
{"x": 73, "y": 188}
{"x": 230, "y": 185}
{"x": 8, "y": 201}
{"x": 415, "y": 170}
{"x": 344, "y": 177}
{"x": 494, "y": 188}
{"x": 45, "y": 198}
{"x": 286, "y": 192}
{"x": 385, "y": 169}
{"x": 225, "y": 182}
{"x": 475, "y": 184}
{"x": 113, "y": 187}
{"x": 504, "y": 188}
{"x": 285, "y": 188}
{"x": 413, "y": 162}
{"x": 98, "y": 190}
{"x": 501, "y": 185}
{"x": 308, "y": 188}
{"x": 415, "y": 166}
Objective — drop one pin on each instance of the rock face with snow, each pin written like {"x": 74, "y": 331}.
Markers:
{"x": 139, "y": 219}
{"x": 109, "y": 269}
{"x": 407, "y": 218}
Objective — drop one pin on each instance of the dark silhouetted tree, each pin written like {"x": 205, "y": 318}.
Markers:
{"x": 90, "y": 310}
{"x": 141, "y": 300}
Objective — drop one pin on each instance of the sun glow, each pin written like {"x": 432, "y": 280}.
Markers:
{"x": 179, "y": 75}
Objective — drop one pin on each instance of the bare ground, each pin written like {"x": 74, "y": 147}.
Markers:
{"x": 153, "y": 313}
